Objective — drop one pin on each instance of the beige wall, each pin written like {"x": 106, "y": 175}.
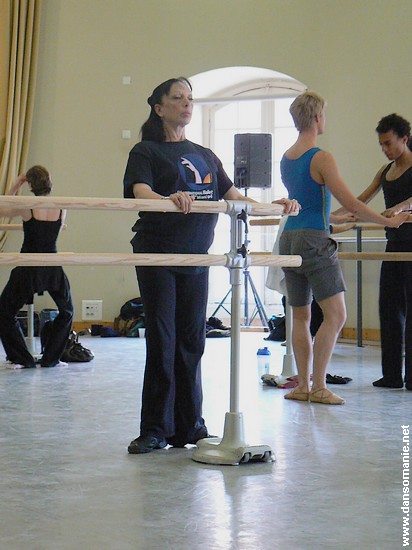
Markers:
{"x": 356, "y": 53}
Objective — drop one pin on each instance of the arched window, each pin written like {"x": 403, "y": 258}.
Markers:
{"x": 236, "y": 100}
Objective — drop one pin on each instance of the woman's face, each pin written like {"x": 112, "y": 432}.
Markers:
{"x": 177, "y": 106}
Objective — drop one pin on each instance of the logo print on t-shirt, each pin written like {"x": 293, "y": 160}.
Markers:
{"x": 194, "y": 173}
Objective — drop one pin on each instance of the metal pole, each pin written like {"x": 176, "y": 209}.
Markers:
{"x": 359, "y": 288}
{"x": 236, "y": 281}
{"x": 30, "y": 341}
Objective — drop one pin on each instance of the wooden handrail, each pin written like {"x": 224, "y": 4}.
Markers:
{"x": 116, "y": 259}
{"x": 142, "y": 205}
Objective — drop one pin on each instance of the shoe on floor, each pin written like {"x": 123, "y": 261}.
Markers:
{"x": 335, "y": 379}
{"x": 214, "y": 322}
{"x": 382, "y": 383}
{"x": 269, "y": 380}
{"x": 326, "y": 397}
{"x": 216, "y": 332}
{"x": 146, "y": 444}
{"x": 297, "y": 395}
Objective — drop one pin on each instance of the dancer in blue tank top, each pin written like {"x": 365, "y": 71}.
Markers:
{"x": 311, "y": 176}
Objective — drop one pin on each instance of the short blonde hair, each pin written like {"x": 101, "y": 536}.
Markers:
{"x": 304, "y": 109}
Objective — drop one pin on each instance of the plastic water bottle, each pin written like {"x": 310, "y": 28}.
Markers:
{"x": 263, "y": 358}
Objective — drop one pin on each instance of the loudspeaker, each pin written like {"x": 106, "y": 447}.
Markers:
{"x": 253, "y": 160}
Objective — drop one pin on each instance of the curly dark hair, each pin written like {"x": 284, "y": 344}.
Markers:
{"x": 396, "y": 123}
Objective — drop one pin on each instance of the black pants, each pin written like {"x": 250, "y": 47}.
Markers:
{"x": 175, "y": 313}
{"x": 395, "y": 311}
{"x": 14, "y": 296}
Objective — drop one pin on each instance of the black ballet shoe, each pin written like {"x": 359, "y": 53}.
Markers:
{"x": 146, "y": 444}
{"x": 335, "y": 379}
{"x": 382, "y": 383}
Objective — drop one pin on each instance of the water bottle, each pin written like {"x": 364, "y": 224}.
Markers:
{"x": 263, "y": 358}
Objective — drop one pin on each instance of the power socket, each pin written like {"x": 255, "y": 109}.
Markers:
{"x": 92, "y": 310}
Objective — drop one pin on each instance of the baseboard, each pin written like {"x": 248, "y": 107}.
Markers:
{"x": 348, "y": 333}
{"x": 368, "y": 334}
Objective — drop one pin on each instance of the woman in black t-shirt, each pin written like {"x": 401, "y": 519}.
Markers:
{"x": 167, "y": 165}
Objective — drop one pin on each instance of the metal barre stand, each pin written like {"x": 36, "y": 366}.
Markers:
{"x": 259, "y": 307}
{"x": 232, "y": 448}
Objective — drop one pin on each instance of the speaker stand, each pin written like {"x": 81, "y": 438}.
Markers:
{"x": 247, "y": 280}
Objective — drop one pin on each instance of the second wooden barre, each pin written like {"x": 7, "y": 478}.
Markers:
{"x": 116, "y": 259}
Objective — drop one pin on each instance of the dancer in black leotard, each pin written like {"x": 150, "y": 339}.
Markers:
{"x": 41, "y": 229}
{"x": 395, "y": 284}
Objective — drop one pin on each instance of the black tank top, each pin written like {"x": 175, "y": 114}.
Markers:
{"x": 40, "y": 236}
{"x": 394, "y": 192}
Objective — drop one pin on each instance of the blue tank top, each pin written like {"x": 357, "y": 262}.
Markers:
{"x": 314, "y": 198}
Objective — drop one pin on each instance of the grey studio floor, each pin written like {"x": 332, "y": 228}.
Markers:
{"x": 67, "y": 481}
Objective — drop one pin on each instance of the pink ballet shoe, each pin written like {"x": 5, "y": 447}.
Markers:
{"x": 297, "y": 395}
{"x": 326, "y": 397}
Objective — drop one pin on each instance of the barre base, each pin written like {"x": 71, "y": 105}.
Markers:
{"x": 231, "y": 450}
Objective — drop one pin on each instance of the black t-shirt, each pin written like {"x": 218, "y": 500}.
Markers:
{"x": 394, "y": 192}
{"x": 168, "y": 167}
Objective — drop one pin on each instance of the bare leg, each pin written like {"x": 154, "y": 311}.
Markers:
{"x": 334, "y": 317}
{"x": 302, "y": 346}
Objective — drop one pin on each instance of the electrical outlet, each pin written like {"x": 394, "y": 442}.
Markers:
{"x": 92, "y": 310}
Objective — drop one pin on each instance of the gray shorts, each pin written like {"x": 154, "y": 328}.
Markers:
{"x": 320, "y": 274}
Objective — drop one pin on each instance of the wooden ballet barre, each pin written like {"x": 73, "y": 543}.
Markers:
{"x": 11, "y": 226}
{"x": 364, "y": 226}
{"x": 266, "y": 221}
{"x": 384, "y": 256}
{"x": 360, "y": 256}
{"x": 116, "y": 259}
{"x": 142, "y": 205}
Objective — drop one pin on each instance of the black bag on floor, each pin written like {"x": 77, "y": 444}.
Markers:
{"x": 132, "y": 309}
{"x": 74, "y": 352}
{"x": 277, "y": 326}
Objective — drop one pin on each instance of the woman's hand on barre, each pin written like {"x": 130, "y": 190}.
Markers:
{"x": 290, "y": 205}
{"x": 397, "y": 209}
{"x": 183, "y": 200}
{"x": 397, "y": 220}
